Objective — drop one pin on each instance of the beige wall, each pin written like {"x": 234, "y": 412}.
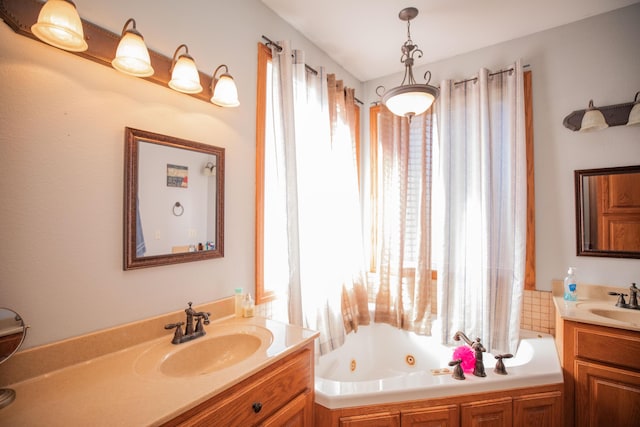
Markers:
{"x": 597, "y": 59}
{"x": 62, "y": 121}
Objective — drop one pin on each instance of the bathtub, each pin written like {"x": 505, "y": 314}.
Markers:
{"x": 382, "y": 364}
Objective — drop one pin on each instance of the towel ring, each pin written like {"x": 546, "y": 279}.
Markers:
{"x": 178, "y": 209}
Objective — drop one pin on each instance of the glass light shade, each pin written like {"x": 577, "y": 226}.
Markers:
{"x": 132, "y": 56}
{"x": 185, "y": 77}
{"x": 634, "y": 115}
{"x": 225, "y": 92}
{"x": 593, "y": 120}
{"x": 410, "y": 100}
{"x": 59, "y": 25}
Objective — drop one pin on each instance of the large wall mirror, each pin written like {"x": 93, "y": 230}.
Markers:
{"x": 173, "y": 201}
{"x": 608, "y": 212}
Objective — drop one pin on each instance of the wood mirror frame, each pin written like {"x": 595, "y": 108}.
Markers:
{"x": 608, "y": 212}
{"x": 133, "y": 138}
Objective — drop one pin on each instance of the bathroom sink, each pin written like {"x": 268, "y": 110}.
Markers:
{"x": 224, "y": 346}
{"x": 621, "y": 315}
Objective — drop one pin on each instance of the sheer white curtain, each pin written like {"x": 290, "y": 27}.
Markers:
{"x": 315, "y": 194}
{"x": 482, "y": 196}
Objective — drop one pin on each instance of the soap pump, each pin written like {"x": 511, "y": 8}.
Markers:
{"x": 247, "y": 306}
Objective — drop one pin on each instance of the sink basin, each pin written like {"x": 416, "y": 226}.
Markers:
{"x": 224, "y": 346}
{"x": 621, "y": 315}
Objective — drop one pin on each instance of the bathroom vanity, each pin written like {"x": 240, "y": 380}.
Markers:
{"x": 598, "y": 345}
{"x": 242, "y": 372}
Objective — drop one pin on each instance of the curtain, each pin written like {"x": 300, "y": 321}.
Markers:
{"x": 314, "y": 156}
{"x": 403, "y": 218}
{"x": 482, "y": 197}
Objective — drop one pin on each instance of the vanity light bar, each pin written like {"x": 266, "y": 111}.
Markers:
{"x": 20, "y": 15}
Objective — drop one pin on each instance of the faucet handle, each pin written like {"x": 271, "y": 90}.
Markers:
{"x": 621, "y": 302}
{"x": 178, "y": 335}
{"x": 500, "y": 368}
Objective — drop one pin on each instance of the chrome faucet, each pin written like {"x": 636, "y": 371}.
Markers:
{"x": 190, "y": 332}
{"x": 478, "y": 349}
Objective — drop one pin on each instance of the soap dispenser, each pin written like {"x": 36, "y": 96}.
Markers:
{"x": 570, "y": 285}
{"x": 248, "y": 306}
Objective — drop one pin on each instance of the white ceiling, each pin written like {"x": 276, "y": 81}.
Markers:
{"x": 365, "y": 36}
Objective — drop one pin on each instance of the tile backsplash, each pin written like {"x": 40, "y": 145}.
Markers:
{"x": 538, "y": 312}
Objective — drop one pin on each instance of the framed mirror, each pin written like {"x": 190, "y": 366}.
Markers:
{"x": 608, "y": 212}
{"x": 173, "y": 200}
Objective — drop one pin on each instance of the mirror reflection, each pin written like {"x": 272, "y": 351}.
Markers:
{"x": 12, "y": 334}
{"x": 608, "y": 212}
{"x": 174, "y": 201}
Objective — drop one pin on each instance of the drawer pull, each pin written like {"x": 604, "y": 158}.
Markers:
{"x": 257, "y": 407}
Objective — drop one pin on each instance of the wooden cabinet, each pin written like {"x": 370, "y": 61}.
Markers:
{"x": 437, "y": 416}
{"x": 279, "y": 395}
{"x": 487, "y": 413}
{"x": 530, "y": 407}
{"x": 602, "y": 375}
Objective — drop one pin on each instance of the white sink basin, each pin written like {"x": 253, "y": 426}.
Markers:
{"x": 608, "y": 310}
{"x": 224, "y": 346}
{"x": 621, "y": 315}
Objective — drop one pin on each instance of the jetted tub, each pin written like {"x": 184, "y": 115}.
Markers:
{"x": 383, "y": 364}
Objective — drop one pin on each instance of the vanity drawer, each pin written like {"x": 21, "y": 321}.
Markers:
{"x": 608, "y": 345}
{"x": 271, "y": 389}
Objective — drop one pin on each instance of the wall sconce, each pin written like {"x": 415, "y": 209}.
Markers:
{"x": 59, "y": 25}
{"x": 132, "y": 55}
{"x": 634, "y": 115}
{"x": 593, "y": 119}
{"x": 225, "y": 92}
{"x": 209, "y": 169}
{"x": 184, "y": 73}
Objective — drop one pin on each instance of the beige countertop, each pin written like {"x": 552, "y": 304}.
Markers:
{"x": 596, "y": 307}
{"x": 113, "y": 390}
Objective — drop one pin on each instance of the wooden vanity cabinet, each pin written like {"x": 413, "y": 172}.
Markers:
{"x": 279, "y": 395}
{"x": 602, "y": 374}
{"x": 528, "y": 407}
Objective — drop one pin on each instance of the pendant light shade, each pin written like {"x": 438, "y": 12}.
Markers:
{"x": 184, "y": 73}
{"x": 593, "y": 119}
{"x": 410, "y": 99}
{"x": 59, "y": 25}
{"x": 225, "y": 92}
{"x": 132, "y": 55}
{"x": 634, "y": 115}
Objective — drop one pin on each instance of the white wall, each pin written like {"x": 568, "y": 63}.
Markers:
{"x": 597, "y": 58}
{"x": 62, "y": 121}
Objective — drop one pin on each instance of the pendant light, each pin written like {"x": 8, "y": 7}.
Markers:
{"x": 225, "y": 92}
{"x": 132, "y": 55}
{"x": 59, "y": 25}
{"x": 184, "y": 73}
{"x": 409, "y": 99}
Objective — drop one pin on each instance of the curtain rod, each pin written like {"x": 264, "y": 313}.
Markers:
{"x": 474, "y": 79}
{"x": 276, "y": 46}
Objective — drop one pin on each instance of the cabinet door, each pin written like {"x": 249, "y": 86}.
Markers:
{"x": 380, "y": 419}
{"x": 538, "y": 410}
{"x": 606, "y": 396}
{"x": 487, "y": 413}
{"x": 438, "y": 416}
{"x": 298, "y": 412}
